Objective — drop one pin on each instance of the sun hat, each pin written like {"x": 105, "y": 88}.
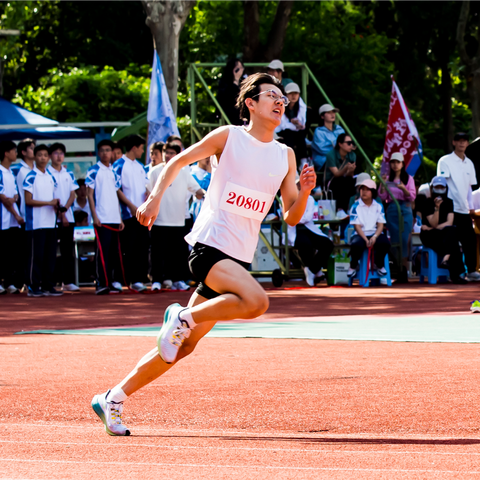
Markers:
{"x": 369, "y": 184}
{"x": 397, "y": 156}
{"x": 361, "y": 177}
{"x": 327, "y": 108}
{"x": 276, "y": 65}
{"x": 292, "y": 88}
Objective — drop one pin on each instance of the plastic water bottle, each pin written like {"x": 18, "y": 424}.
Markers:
{"x": 320, "y": 213}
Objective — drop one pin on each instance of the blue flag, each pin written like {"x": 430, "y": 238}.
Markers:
{"x": 160, "y": 116}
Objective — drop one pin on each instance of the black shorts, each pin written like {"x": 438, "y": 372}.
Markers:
{"x": 201, "y": 260}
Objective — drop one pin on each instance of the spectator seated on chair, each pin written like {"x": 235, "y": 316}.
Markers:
{"x": 438, "y": 231}
{"x": 292, "y": 128}
{"x": 277, "y": 70}
{"x": 325, "y": 135}
{"x": 339, "y": 170}
{"x": 314, "y": 247}
{"x": 368, "y": 218}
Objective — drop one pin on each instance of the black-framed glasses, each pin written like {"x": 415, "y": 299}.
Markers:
{"x": 275, "y": 97}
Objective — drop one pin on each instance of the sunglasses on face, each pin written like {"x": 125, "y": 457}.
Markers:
{"x": 275, "y": 97}
{"x": 350, "y": 142}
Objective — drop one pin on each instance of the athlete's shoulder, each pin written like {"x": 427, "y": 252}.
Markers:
{"x": 118, "y": 165}
{"x": 15, "y": 168}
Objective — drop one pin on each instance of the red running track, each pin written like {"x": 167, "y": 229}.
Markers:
{"x": 240, "y": 408}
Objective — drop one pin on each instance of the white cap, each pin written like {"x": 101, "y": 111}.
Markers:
{"x": 276, "y": 65}
{"x": 292, "y": 88}
{"x": 361, "y": 177}
{"x": 397, "y": 156}
{"x": 327, "y": 108}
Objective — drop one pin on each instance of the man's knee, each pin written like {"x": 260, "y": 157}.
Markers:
{"x": 257, "y": 304}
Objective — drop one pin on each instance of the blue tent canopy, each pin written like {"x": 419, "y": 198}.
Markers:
{"x": 11, "y": 114}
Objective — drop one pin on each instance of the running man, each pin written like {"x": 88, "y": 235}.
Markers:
{"x": 250, "y": 169}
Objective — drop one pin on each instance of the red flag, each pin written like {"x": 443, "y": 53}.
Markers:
{"x": 402, "y": 135}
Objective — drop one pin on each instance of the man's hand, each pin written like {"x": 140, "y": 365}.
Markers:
{"x": 133, "y": 210}
{"x": 308, "y": 178}
{"x": 121, "y": 226}
{"x": 9, "y": 202}
{"x": 147, "y": 213}
{"x": 65, "y": 221}
{"x": 54, "y": 203}
{"x": 425, "y": 228}
{"x": 19, "y": 219}
{"x": 96, "y": 222}
{"x": 473, "y": 213}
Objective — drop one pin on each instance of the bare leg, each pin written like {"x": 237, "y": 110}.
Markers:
{"x": 241, "y": 297}
{"x": 151, "y": 366}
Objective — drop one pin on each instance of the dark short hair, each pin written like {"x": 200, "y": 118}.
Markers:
{"x": 105, "y": 143}
{"x": 80, "y": 216}
{"x": 173, "y": 146}
{"x": 341, "y": 139}
{"x": 6, "y": 146}
{"x": 40, "y": 147}
{"x": 373, "y": 190}
{"x": 117, "y": 145}
{"x": 250, "y": 87}
{"x": 57, "y": 146}
{"x": 133, "y": 141}
{"x": 81, "y": 182}
{"x": 23, "y": 145}
{"x": 157, "y": 146}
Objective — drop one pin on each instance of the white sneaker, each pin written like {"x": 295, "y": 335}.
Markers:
{"x": 351, "y": 272}
{"x": 110, "y": 414}
{"x": 383, "y": 281}
{"x": 472, "y": 277}
{"x": 2, "y": 290}
{"x": 180, "y": 285}
{"x": 117, "y": 285}
{"x": 156, "y": 286}
{"x": 382, "y": 271}
{"x": 138, "y": 287}
{"x": 309, "y": 276}
{"x": 71, "y": 287}
{"x": 172, "y": 334}
{"x": 13, "y": 289}
{"x": 167, "y": 284}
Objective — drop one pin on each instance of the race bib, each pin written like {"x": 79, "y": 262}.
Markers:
{"x": 245, "y": 201}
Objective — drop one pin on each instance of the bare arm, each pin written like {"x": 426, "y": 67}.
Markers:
{"x": 71, "y": 199}
{"x": 361, "y": 233}
{"x": 295, "y": 202}
{"x": 448, "y": 223}
{"x": 122, "y": 197}
{"x": 91, "y": 202}
{"x": 212, "y": 144}
{"x": 9, "y": 203}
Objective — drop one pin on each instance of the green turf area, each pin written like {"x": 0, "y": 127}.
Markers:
{"x": 448, "y": 328}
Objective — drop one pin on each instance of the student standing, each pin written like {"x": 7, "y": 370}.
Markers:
{"x": 169, "y": 252}
{"x": 81, "y": 202}
{"x": 459, "y": 171}
{"x": 102, "y": 186}
{"x": 134, "y": 238}
{"x": 66, "y": 187}
{"x": 11, "y": 271}
{"x": 250, "y": 169}
{"x": 41, "y": 218}
{"x": 402, "y": 186}
{"x": 25, "y": 151}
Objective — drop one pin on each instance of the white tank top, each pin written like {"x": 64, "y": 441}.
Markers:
{"x": 243, "y": 187}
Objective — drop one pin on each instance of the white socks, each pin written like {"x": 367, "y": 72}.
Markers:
{"x": 117, "y": 395}
{"x": 187, "y": 316}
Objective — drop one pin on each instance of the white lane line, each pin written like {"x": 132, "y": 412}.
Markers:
{"x": 193, "y": 447}
{"x": 271, "y": 467}
{"x": 294, "y": 435}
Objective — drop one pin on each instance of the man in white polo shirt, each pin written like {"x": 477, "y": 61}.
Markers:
{"x": 169, "y": 255}
{"x": 135, "y": 238}
{"x": 66, "y": 186}
{"x": 41, "y": 218}
{"x": 21, "y": 170}
{"x": 102, "y": 185}
{"x": 460, "y": 174}
{"x": 10, "y": 220}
